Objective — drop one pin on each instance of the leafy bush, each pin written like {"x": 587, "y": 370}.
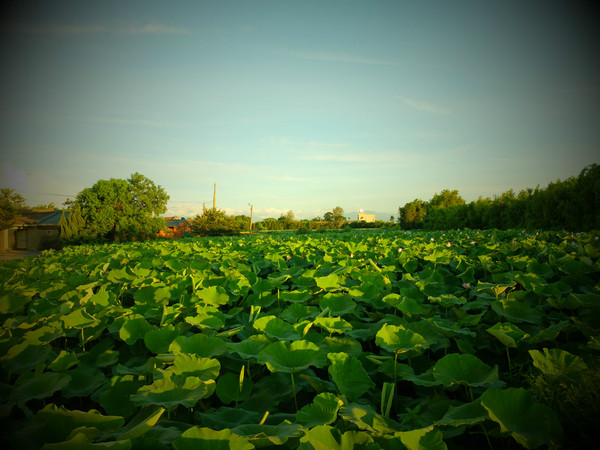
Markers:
{"x": 214, "y": 222}
{"x": 303, "y": 230}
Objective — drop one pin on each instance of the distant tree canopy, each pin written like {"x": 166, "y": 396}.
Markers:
{"x": 572, "y": 204}
{"x": 118, "y": 209}
{"x": 10, "y": 205}
{"x": 214, "y": 222}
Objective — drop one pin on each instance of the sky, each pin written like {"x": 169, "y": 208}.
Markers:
{"x": 303, "y": 105}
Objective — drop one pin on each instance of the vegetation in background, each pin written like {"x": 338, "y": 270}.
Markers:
{"x": 10, "y": 205}
{"x": 118, "y": 209}
{"x": 215, "y": 222}
{"x": 572, "y": 204}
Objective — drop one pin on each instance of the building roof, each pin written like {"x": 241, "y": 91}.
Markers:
{"x": 174, "y": 223}
{"x": 28, "y": 217}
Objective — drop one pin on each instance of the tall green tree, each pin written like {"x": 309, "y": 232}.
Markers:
{"x": 411, "y": 215}
{"x": 214, "y": 222}
{"x": 122, "y": 209}
{"x": 10, "y": 204}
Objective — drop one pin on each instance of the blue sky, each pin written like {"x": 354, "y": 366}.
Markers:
{"x": 298, "y": 106}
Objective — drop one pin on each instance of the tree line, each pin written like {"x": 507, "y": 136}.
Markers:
{"x": 572, "y": 204}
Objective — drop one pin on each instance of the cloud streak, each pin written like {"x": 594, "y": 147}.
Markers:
{"x": 338, "y": 57}
{"x": 422, "y": 106}
{"x": 68, "y": 29}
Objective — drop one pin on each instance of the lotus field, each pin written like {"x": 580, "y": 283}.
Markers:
{"x": 364, "y": 339}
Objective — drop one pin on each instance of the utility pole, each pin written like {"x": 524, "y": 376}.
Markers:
{"x": 215, "y": 198}
{"x": 251, "y": 208}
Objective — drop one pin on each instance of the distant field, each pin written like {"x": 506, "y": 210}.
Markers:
{"x": 375, "y": 338}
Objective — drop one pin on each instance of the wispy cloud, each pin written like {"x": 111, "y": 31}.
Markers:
{"x": 135, "y": 122}
{"x": 422, "y": 106}
{"x": 339, "y": 57}
{"x": 65, "y": 29}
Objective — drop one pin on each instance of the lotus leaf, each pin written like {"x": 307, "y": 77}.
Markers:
{"x": 349, "y": 375}
{"x": 251, "y": 347}
{"x": 324, "y": 437}
{"x": 333, "y": 324}
{"x": 338, "y": 304}
{"x": 173, "y": 391}
{"x": 465, "y": 369}
{"x": 398, "y": 339}
{"x": 209, "y": 439}
{"x": 276, "y": 328}
{"x": 289, "y": 358}
{"x": 134, "y": 329}
{"x": 214, "y": 295}
{"x": 159, "y": 340}
{"x": 427, "y": 438}
{"x": 115, "y": 400}
{"x": 558, "y": 363}
{"x": 228, "y": 388}
{"x": 38, "y": 386}
{"x": 199, "y": 344}
{"x": 266, "y": 435}
{"x": 530, "y": 424}
{"x": 192, "y": 365}
{"x": 322, "y": 411}
{"x": 507, "y": 333}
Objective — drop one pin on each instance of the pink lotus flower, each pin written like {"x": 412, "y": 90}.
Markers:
{"x": 448, "y": 245}
{"x": 400, "y": 249}
{"x": 466, "y": 285}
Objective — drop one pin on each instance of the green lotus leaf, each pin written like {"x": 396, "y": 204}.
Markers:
{"x": 427, "y": 438}
{"x": 207, "y": 320}
{"x": 11, "y": 304}
{"x": 143, "y": 422}
{"x": 282, "y": 356}
{"x": 173, "y": 391}
{"x": 55, "y": 424}
{"x": 559, "y": 363}
{"x": 214, "y": 295}
{"x": 84, "y": 381}
{"x": 134, "y": 329}
{"x": 295, "y": 296}
{"x": 322, "y": 411}
{"x": 276, "y": 328}
{"x": 333, "y": 324}
{"x": 331, "y": 281}
{"x": 325, "y": 437}
{"x": 365, "y": 418}
{"x": 465, "y": 369}
{"x": 175, "y": 264}
{"x": 338, "y": 304}
{"x": 38, "y": 386}
{"x": 517, "y": 312}
{"x": 267, "y": 435}
{"x": 192, "y": 365}
{"x": 199, "y": 344}
{"x": 207, "y": 438}
{"x": 448, "y": 301}
{"x": 227, "y": 417}
{"x": 79, "y": 319}
{"x": 530, "y": 424}
{"x": 464, "y": 415}
{"x": 81, "y": 441}
{"x": 120, "y": 276}
{"x": 296, "y": 312}
{"x": 336, "y": 344}
{"x": 406, "y": 305}
{"x": 159, "y": 340}
{"x": 63, "y": 361}
{"x": 349, "y": 375}
{"x": 398, "y": 339}
{"x": 115, "y": 400}
{"x": 152, "y": 295}
{"x": 228, "y": 388}
{"x": 507, "y": 333}
{"x": 251, "y": 347}
{"x": 103, "y": 298}
{"x": 23, "y": 357}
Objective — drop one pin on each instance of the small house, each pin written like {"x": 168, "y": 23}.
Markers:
{"x": 176, "y": 228}
{"x": 34, "y": 229}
